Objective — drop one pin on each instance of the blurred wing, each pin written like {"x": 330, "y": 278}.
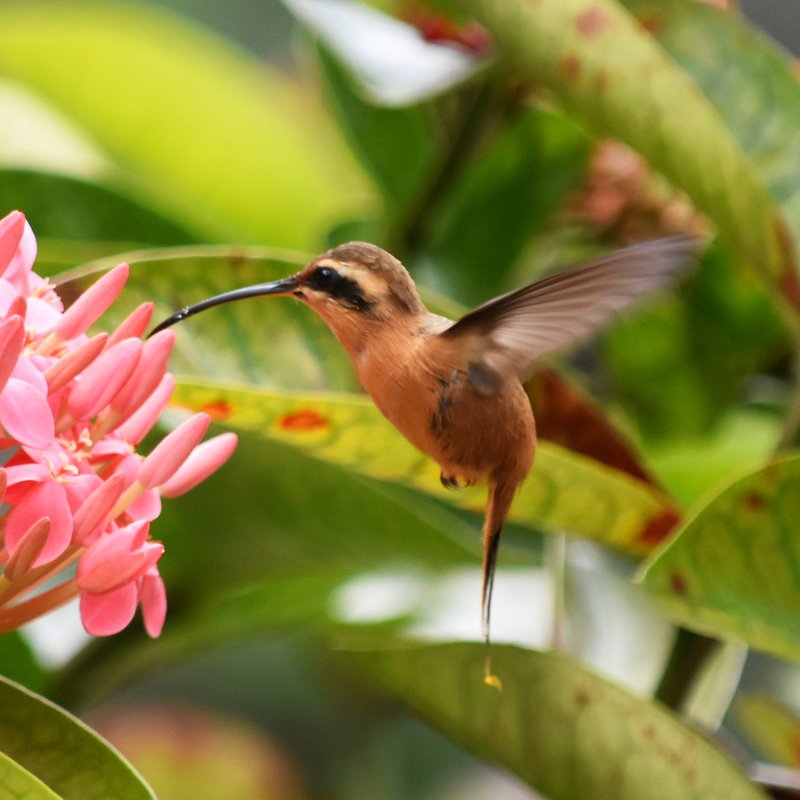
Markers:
{"x": 508, "y": 334}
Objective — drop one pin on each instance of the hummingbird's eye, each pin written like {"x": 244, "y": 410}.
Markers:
{"x": 322, "y": 277}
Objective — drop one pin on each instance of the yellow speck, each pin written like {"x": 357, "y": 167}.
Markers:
{"x": 494, "y": 682}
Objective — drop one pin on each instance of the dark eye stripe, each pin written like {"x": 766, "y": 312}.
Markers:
{"x": 327, "y": 279}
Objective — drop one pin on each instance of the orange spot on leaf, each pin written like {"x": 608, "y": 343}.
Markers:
{"x": 659, "y": 526}
{"x": 304, "y": 420}
{"x": 754, "y": 501}
{"x": 218, "y": 410}
{"x": 571, "y": 67}
{"x": 678, "y": 583}
{"x": 592, "y": 22}
{"x": 652, "y": 24}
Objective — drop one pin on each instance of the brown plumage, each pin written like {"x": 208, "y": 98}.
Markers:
{"x": 454, "y": 389}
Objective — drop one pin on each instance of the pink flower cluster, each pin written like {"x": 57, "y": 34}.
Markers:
{"x": 74, "y": 490}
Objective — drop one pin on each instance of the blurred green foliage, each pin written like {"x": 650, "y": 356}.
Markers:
{"x": 307, "y": 578}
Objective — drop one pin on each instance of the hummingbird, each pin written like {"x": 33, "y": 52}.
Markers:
{"x": 455, "y": 389}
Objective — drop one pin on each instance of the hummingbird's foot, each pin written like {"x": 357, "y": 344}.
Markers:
{"x": 454, "y": 482}
{"x": 450, "y": 481}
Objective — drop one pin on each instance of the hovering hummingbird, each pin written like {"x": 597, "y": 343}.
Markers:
{"x": 454, "y": 389}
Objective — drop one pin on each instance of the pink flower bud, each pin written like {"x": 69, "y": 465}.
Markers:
{"x": 114, "y": 560}
{"x": 12, "y": 337}
{"x": 148, "y": 374}
{"x": 137, "y": 426}
{"x": 12, "y": 226}
{"x": 93, "y": 513}
{"x": 28, "y": 550}
{"x": 153, "y": 598}
{"x": 205, "y": 459}
{"x": 172, "y": 451}
{"x": 62, "y": 371}
{"x": 89, "y": 307}
{"x": 103, "y": 378}
{"x": 134, "y": 325}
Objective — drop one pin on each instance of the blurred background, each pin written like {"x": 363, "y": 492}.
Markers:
{"x": 140, "y": 128}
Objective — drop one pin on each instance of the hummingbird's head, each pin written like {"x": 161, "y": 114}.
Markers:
{"x": 347, "y": 286}
{"x": 361, "y": 278}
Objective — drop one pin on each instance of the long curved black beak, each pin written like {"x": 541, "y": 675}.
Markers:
{"x": 285, "y": 286}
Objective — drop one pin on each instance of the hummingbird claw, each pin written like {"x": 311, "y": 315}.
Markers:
{"x": 449, "y": 481}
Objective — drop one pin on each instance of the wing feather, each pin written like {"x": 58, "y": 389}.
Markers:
{"x": 508, "y": 334}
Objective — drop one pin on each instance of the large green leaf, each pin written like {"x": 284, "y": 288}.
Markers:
{"x": 16, "y": 781}
{"x": 565, "y": 492}
{"x": 60, "y": 751}
{"x": 221, "y": 143}
{"x": 287, "y": 347}
{"x": 566, "y": 732}
{"x": 610, "y": 72}
{"x": 733, "y": 572}
{"x": 751, "y": 82}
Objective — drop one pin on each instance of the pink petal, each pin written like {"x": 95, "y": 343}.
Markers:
{"x": 81, "y": 487}
{"x": 40, "y": 317}
{"x": 138, "y": 425}
{"x": 88, "y": 308}
{"x": 12, "y": 336}
{"x": 25, "y": 473}
{"x": 12, "y": 227}
{"x": 173, "y": 450}
{"x": 153, "y": 597}
{"x": 107, "y": 614}
{"x": 110, "y": 562}
{"x": 64, "y": 369}
{"x": 28, "y": 550}
{"x": 27, "y": 371}
{"x": 92, "y": 516}
{"x": 204, "y": 460}
{"x": 46, "y": 499}
{"x": 146, "y": 507}
{"x": 103, "y": 378}
{"x": 25, "y": 415}
{"x": 148, "y": 374}
{"x": 18, "y": 271}
{"x": 134, "y": 325}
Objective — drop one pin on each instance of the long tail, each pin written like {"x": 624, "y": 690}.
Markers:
{"x": 500, "y": 496}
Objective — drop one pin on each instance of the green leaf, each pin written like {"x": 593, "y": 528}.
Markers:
{"x": 211, "y": 136}
{"x": 273, "y": 606}
{"x": 377, "y": 134}
{"x": 288, "y": 346}
{"x": 76, "y": 220}
{"x": 605, "y": 67}
{"x": 59, "y": 750}
{"x": 771, "y": 727}
{"x": 17, "y": 782}
{"x": 705, "y": 347}
{"x": 499, "y": 200}
{"x": 18, "y": 663}
{"x": 560, "y": 728}
{"x": 566, "y": 492}
{"x": 394, "y": 64}
{"x": 287, "y": 519}
{"x": 749, "y": 79}
{"x": 733, "y": 571}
